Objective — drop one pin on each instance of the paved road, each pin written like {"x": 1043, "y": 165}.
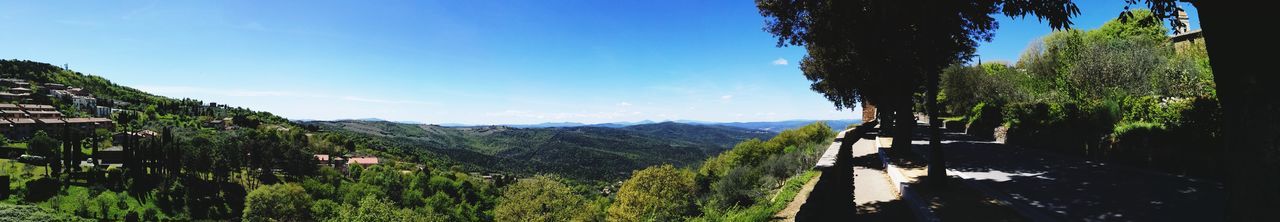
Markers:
{"x": 855, "y": 188}
{"x": 1069, "y": 188}
{"x": 871, "y": 183}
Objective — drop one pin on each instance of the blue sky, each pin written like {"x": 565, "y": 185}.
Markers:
{"x": 475, "y": 62}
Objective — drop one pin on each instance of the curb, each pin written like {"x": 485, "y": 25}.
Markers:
{"x": 918, "y": 206}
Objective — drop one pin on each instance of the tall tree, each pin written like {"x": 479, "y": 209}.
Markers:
{"x": 43, "y": 145}
{"x": 1250, "y": 106}
{"x": 879, "y": 51}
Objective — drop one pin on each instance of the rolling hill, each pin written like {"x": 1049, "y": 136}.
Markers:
{"x": 585, "y": 152}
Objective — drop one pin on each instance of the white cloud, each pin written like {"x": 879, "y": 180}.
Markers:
{"x": 187, "y": 91}
{"x": 371, "y": 100}
{"x": 726, "y": 97}
{"x": 624, "y": 104}
{"x": 780, "y": 62}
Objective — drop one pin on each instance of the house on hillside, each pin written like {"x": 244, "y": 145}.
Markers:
{"x": 330, "y": 161}
{"x": 110, "y": 155}
{"x": 365, "y": 161}
{"x": 20, "y": 121}
{"x": 14, "y": 83}
{"x": 55, "y": 86}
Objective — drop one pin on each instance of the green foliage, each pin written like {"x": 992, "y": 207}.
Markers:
{"x": 540, "y": 198}
{"x": 352, "y": 193}
{"x": 281, "y": 202}
{"x": 10, "y": 212}
{"x": 1123, "y": 129}
{"x": 325, "y": 210}
{"x": 373, "y": 209}
{"x": 41, "y": 144}
{"x": 1119, "y": 93}
{"x": 589, "y": 153}
{"x": 658, "y": 193}
{"x": 1135, "y": 27}
{"x": 740, "y": 187}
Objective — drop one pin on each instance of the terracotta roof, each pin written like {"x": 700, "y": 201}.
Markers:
{"x": 35, "y": 106}
{"x": 363, "y": 160}
{"x": 51, "y": 121}
{"x": 22, "y": 121}
{"x": 80, "y": 120}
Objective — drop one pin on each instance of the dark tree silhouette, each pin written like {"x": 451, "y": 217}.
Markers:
{"x": 879, "y": 51}
{"x": 842, "y": 37}
{"x": 1250, "y": 106}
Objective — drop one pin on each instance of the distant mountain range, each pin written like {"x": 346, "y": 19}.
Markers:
{"x": 583, "y": 152}
{"x": 773, "y": 126}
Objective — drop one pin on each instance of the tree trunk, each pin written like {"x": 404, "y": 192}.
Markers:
{"x": 937, "y": 165}
{"x": 1251, "y": 127}
{"x": 905, "y": 122}
{"x": 885, "y": 114}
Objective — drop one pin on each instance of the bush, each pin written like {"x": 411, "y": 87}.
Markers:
{"x": 41, "y": 189}
{"x": 1134, "y": 143}
{"x": 10, "y": 212}
{"x": 983, "y": 120}
{"x": 740, "y": 187}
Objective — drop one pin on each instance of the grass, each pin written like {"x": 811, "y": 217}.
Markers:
{"x": 764, "y": 209}
{"x": 22, "y": 145}
{"x": 74, "y": 200}
{"x": 19, "y": 174}
{"x": 951, "y": 118}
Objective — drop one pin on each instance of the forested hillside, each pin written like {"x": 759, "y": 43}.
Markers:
{"x": 592, "y": 153}
{"x": 185, "y": 159}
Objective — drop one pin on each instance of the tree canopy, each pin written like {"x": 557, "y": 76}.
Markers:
{"x": 279, "y": 202}
{"x": 658, "y": 193}
{"x": 540, "y": 198}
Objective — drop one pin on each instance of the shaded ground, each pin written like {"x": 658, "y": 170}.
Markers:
{"x": 1060, "y": 187}
{"x": 855, "y": 189}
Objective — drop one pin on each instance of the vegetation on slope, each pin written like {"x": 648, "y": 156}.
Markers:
{"x": 591, "y": 153}
{"x": 750, "y": 182}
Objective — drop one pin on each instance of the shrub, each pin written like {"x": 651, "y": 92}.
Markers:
{"x": 10, "y": 212}
{"x": 41, "y": 189}
{"x": 740, "y": 187}
{"x": 983, "y": 120}
{"x": 1135, "y": 142}
{"x": 279, "y": 202}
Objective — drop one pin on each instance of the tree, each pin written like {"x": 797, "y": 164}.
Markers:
{"x": 540, "y": 198}
{"x": 657, "y": 193}
{"x": 878, "y": 51}
{"x": 1251, "y": 127}
{"x": 373, "y": 209}
{"x": 278, "y": 202}
{"x": 43, "y": 145}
